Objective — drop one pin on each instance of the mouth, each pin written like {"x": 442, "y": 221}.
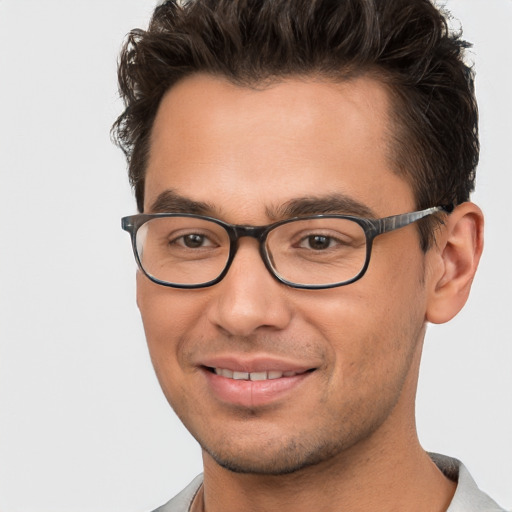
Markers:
{"x": 255, "y": 376}
{"x": 257, "y": 388}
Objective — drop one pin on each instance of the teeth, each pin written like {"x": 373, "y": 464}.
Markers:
{"x": 272, "y": 374}
{"x": 258, "y": 376}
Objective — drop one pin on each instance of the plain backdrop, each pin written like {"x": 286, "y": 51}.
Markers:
{"x": 83, "y": 424}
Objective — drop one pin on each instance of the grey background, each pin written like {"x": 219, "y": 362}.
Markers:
{"x": 83, "y": 424}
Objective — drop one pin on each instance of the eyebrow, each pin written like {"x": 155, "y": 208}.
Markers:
{"x": 331, "y": 204}
{"x": 171, "y": 202}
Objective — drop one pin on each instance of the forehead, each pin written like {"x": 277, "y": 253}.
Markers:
{"x": 244, "y": 149}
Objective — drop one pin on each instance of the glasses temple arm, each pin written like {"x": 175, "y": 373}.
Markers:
{"x": 399, "y": 221}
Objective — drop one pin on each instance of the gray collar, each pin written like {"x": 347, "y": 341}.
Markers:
{"x": 468, "y": 497}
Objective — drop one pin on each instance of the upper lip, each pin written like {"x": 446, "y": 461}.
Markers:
{"x": 255, "y": 364}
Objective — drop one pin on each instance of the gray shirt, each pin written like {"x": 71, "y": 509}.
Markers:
{"x": 467, "y": 498}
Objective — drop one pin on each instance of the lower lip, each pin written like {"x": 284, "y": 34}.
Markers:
{"x": 248, "y": 393}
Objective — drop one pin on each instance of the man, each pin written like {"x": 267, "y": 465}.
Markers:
{"x": 303, "y": 170}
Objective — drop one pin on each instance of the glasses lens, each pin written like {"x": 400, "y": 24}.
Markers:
{"x": 317, "y": 251}
{"x": 182, "y": 250}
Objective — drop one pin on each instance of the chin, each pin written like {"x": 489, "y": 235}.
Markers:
{"x": 283, "y": 460}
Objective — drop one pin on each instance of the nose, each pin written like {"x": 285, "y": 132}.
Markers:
{"x": 249, "y": 299}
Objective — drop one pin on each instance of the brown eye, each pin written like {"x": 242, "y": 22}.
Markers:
{"x": 318, "y": 242}
{"x": 193, "y": 241}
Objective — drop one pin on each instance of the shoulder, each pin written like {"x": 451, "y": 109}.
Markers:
{"x": 182, "y": 501}
{"x": 468, "y": 497}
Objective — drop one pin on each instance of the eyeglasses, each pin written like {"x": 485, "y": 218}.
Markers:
{"x": 314, "y": 252}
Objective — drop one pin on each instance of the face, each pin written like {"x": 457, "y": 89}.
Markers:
{"x": 338, "y": 366}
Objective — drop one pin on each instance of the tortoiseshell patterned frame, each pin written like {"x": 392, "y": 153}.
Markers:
{"x": 372, "y": 228}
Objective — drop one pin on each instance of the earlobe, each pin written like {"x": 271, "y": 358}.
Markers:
{"x": 455, "y": 258}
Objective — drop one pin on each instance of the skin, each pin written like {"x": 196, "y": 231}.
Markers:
{"x": 344, "y": 438}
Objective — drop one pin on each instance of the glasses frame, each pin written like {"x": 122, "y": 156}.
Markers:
{"x": 371, "y": 227}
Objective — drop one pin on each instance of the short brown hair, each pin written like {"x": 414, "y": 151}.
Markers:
{"x": 406, "y": 44}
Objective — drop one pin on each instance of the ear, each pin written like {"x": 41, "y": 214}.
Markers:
{"x": 454, "y": 260}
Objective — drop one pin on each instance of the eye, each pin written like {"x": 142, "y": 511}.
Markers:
{"x": 319, "y": 242}
{"x": 193, "y": 241}
{"x": 316, "y": 242}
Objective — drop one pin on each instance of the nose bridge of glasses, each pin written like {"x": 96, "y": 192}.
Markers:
{"x": 256, "y": 232}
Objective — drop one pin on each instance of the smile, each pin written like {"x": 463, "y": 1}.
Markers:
{"x": 254, "y": 376}
{"x": 256, "y": 388}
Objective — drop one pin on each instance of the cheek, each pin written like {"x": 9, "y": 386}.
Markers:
{"x": 166, "y": 318}
{"x": 374, "y": 324}
{"x": 166, "y": 311}
{"x": 167, "y": 315}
